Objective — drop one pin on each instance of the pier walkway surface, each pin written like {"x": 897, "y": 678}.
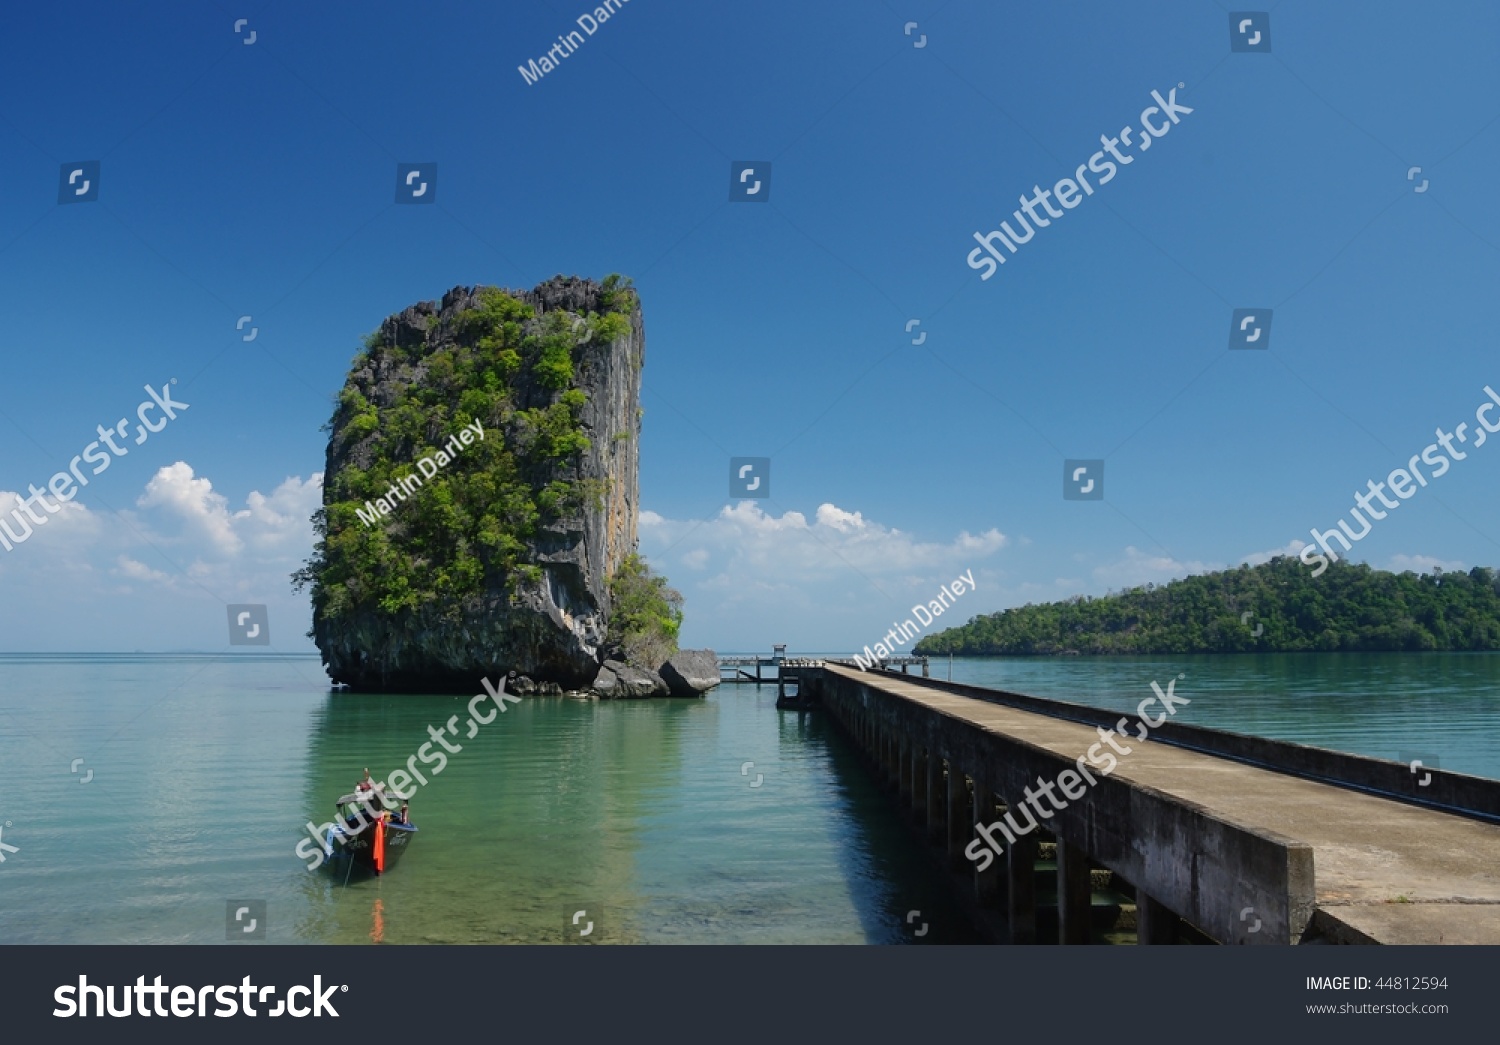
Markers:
{"x": 1316, "y": 860}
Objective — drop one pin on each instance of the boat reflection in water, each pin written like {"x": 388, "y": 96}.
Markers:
{"x": 368, "y": 837}
{"x": 377, "y": 930}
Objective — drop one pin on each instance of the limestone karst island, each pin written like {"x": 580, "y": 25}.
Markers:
{"x": 480, "y": 502}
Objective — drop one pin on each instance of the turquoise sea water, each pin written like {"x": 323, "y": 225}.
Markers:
{"x": 642, "y": 813}
{"x": 202, "y": 770}
{"x": 1444, "y": 706}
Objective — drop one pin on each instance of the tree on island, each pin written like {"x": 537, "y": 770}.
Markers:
{"x": 646, "y": 614}
{"x": 1351, "y": 607}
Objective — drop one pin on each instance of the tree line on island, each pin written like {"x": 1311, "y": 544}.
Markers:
{"x": 1275, "y": 607}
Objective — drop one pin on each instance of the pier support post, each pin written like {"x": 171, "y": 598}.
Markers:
{"x": 1154, "y": 923}
{"x": 987, "y": 883}
{"x": 935, "y": 797}
{"x": 958, "y": 815}
{"x": 1020, "y": 889}
{"x": 918, "y": 782}
{"x": 1074, "y": 894}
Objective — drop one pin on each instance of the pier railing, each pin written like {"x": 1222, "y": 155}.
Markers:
{"x": 759, "y": 669}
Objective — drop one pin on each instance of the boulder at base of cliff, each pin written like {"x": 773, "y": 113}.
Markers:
{"x": 691, "y": 672}
{"x": 619, "y": 680}
{"x": 525, "y": 686}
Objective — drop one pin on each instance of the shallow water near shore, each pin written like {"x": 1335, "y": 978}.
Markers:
{"x": 144, "y": 793}
{"x": 643, "y": 813}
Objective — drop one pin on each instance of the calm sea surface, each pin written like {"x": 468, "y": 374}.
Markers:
{"x": 205, "y": 768}
{"x": 1442, "y": 706}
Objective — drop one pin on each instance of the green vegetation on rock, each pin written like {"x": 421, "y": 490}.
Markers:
{"x": 645, "y": 614}
{"x": 472, "y": 528}
{"x": 1351, "y": 607}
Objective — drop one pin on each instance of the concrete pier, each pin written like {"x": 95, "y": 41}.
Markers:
{"x": 960, "y": 828}
{"x": 1074, "y": 893}
{"x": 936, "y": 796}
{"x": 1212, "y": 835}
{"x": 1154, "y": 923}
{"x": 1020, "y": 887}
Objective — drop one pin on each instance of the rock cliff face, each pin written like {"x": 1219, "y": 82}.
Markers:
{"x": 500, "y": 560}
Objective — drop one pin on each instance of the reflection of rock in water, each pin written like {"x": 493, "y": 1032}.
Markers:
{"x": 540, "y": 813}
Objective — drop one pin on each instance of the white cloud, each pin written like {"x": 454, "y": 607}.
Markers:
{"x": 190, "y": 501}
{"x": 155, "y": 575}
{"x": 1291, "y": 548}
{"x": 138, "y": 571}
{"x": 742, "y": 538}
{"x": 71, "y": 523}
{"x": 829, "y": 579}
{"x": 280, "y": 522}
{"x": 1423, "y": 564}
{"x": 840, "y": 520}
{"x": 199, "y": 540}
{"x": 1139, "y": 568}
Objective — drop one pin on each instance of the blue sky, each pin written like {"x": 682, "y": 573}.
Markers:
{"x": 258, "y": 179}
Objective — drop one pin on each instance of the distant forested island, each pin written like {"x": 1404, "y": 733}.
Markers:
{"x": 1351, "y": 607}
